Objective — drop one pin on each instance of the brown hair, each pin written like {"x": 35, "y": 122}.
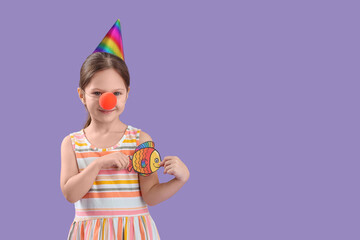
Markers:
{"x": 101, "y": 61}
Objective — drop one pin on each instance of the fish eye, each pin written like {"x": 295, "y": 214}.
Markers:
{"x": 156, "y": 160}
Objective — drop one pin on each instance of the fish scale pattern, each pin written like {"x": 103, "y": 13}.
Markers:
{"x": 141, "y": 155}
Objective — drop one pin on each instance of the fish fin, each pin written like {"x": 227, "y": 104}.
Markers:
{"x": 148, "y": 144}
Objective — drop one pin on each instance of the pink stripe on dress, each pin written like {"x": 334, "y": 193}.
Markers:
{"x": 132, "y": 132}
{"x": 112, "y": 213}
{"x": 111, "y": 229}
{"x": 82, "y": 234}
{"x": 96, "y": 230}
{"x": 79, "y": 136}
{"x": 131, "y": 229}
{"x": 149, "y": 227}
{"x": 87, "y": 231}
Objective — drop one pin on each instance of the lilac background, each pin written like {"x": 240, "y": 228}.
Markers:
{"x": 258, "y": 98}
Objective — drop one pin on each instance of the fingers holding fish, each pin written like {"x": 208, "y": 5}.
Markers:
{"x": 113, "y": 160}
{"x": 167, "y": 160}
{"x": 169, "y": 165}
{"x": 174, "y": 166}
{"x": 169, "y": 170}
{"x": 124, "y": 162}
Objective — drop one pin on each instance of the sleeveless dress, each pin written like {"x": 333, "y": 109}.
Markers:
{"x": 113, "y": 208}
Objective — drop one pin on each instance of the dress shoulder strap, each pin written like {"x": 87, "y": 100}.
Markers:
{"x": 134, "y": 134}
{"x": 77, "y": 140}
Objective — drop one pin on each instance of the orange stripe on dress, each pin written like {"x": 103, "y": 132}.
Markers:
{"x": 145, "y": 227}
{"x": 87, "y": 231}
{"x": 82, "y": 233}
{"x": 97, "y": 228}
{"x": 120, "y": 227}
{"x": 100, "y": 154}
{"x": 111, "y": 194}
{"x": 142, "y": 231}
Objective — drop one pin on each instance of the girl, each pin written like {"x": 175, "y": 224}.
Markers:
{"x": 111, "y": 202}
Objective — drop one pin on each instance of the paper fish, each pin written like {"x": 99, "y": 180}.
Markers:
{"x": 146, "y": 159}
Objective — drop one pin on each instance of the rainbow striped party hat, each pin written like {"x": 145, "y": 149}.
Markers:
{"x": 112, "y": 42}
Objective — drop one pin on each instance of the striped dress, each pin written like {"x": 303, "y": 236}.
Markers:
{"x": 113, "y": 208}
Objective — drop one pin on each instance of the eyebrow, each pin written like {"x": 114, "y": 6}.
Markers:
{"x": 104, "y": 90}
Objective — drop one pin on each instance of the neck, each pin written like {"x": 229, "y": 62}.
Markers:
{"x": 103, "y": 128}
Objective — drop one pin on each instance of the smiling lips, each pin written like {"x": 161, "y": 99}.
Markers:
{"x": 106, "y": 111}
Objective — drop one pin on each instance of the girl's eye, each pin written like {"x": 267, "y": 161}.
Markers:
{"x": 95, "y": 93}
{"x": 115, "y": 93}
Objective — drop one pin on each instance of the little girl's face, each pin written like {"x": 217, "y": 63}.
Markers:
{"x": 104, "y": 81}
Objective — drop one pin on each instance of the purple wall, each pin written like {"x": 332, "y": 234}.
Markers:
{"x": 259, "y": 99}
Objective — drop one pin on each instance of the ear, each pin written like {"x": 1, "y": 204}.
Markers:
{"x": 127, "y": 94}
{"x": 81, "y": 95}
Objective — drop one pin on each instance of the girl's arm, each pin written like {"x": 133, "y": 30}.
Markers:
{"x": 162, "y": 191}
{"x": 75, "y": 185}
{"x": 154, "y": 192}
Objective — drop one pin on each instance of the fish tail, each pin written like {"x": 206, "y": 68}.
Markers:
{"x": 130, "y": 164}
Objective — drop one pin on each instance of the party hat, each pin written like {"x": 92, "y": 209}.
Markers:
{"x": 112, "y": 42}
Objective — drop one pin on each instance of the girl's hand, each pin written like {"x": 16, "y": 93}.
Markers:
{"x": 114, "y": 160}
{"x": 174, "y": 166}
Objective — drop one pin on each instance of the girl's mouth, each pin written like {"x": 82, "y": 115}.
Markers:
{"x": 106, "y": 111}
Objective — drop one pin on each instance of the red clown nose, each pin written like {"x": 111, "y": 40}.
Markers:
{"x": 107, "y": 101}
